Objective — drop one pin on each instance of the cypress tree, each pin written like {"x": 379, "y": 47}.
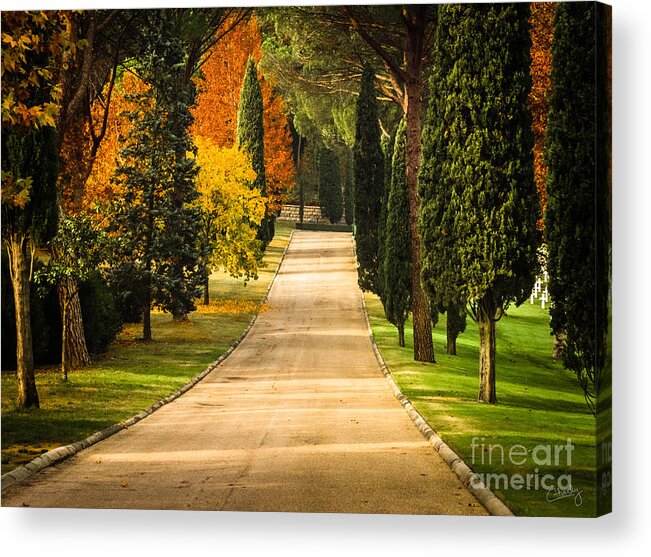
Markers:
{"x": 577, "y": 223}
{"x": 369, "y": 183}
{"x": 455, "y": 325}
{"x": 28, "y": 154}
{"x": 480, "y": 203}
{"x": 387, "y": 142}
{"x": 436, "y": 186}
{"x": 330, "y": 194}
{"x": 156, "y": 223}
{"x": 348, "y": 194}
{"x": 397, "y": 251}
{"x": 250, "y": 136}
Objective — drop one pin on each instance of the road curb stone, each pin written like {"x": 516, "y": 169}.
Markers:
{"x": 54, "y": 456}
{"x": 470, "y": 480}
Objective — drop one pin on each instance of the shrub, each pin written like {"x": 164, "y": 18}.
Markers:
{"x": 102, "y": 319}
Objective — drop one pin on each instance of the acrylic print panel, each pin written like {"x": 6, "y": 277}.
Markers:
{"x": 344, "y": 259}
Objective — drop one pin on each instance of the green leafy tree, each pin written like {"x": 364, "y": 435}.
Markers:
{"x": 479, "y": 200}
{"x": 369, "y": 183}
{"x": 156, "y": 221}
{"x": 78, "y": 246}
{"x": 577, "y": 224}
{"x": 108, "y": 40}
{"x": 330, "y": 194}
{"x": 250, "y": 137}
{"x": 397, "y": 252}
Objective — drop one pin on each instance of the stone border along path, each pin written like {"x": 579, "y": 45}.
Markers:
{"x": 471, "y": 481}
{"x": 59, "y": 454}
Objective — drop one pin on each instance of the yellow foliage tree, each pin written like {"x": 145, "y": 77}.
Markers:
{"x": 231, "y": 210}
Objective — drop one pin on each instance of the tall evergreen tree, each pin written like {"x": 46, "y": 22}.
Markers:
{"x": 387, "y": 142}
{"x": 397, "y": 251}
{"x": 250, "y": 136}
{"x": 156, "y": 221}
{"x": 369, "y": 183}
{"x": 455, "y": 325}
{"x": 349, "y": 214}
{"x": 577, "y": 222}
{"x": 442, "y": 264}
{"x": 29, "y": 156}
{"x": 480, "y": 204}
{"x": 330, "y": 194}
{"x": 31, "y": 95}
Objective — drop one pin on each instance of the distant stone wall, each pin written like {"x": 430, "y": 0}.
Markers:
{"x": 311, "y": 214}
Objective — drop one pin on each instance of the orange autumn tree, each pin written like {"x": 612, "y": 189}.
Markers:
{"x": 100, "y": 189}
{"x": 542, "y": 33}
{"x": 217, "y": 105}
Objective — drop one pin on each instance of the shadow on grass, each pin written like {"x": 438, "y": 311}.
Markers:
{"x": 539, "y": 403}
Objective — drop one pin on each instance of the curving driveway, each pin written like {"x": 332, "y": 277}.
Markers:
{"x": 298, "y": 418}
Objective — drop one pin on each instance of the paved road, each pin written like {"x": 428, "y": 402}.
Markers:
{"x": 298, "y": 418}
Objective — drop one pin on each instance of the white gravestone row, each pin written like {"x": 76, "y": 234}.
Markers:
{"x": 540, "y": 290}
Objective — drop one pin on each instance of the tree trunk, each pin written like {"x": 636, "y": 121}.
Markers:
{"x": 486, "y": 322}
{"x": 401, "y": 335}
{"x": 206, "y": 290}
{"x": 27, "y": 394}
{"x": 423, "y": 345}
{"x": 65, "y": 303}
{"x": 76, "y": 349}
{"x": 410, "y": 76}
{"x": 299, "y": 171}
{"x": 559, "y": 345}
{"x": 146, "y": 315}
{"x": 180, "y": 317}
{"x": 72, "y": 324}
{"x": 452, "y": 339}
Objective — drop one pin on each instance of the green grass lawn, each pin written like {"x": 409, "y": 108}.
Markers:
{"x": 539, "y": 403}
{"x": 132, "y": 375}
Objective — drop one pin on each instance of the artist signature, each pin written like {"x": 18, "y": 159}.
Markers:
{"x": 554, "y": 495}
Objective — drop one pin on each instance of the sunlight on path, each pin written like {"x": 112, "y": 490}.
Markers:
{"x": 298, "y": 418}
